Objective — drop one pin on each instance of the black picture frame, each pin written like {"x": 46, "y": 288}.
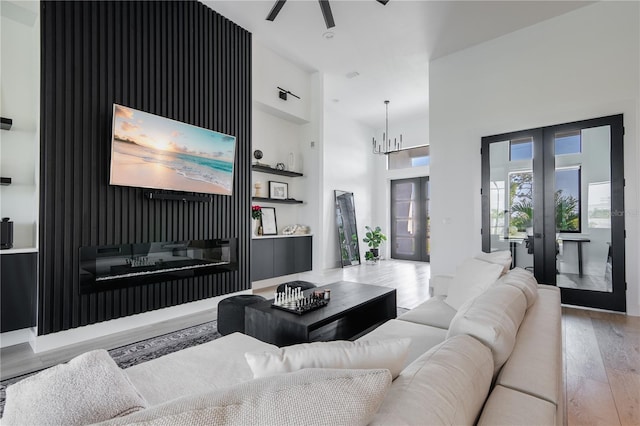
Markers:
{"x": 278, "y": 190}
{"x": 268, "y": 221}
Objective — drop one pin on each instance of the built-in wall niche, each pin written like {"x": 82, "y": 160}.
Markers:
{"x": 111, "y": 267}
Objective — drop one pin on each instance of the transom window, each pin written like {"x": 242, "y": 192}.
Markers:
{"x": 410, "y": 157}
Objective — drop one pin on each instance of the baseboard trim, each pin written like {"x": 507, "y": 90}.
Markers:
{"x": 81, "y": 334}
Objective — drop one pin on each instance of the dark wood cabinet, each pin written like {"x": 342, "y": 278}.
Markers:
{"x": 274, "y": 257}
{"x": 18, "y": 291}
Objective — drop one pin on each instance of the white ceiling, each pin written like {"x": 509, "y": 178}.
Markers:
{"x": 389, "y": 46}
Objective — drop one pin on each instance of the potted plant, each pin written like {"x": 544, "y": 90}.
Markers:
{"x": 373, "y": 237}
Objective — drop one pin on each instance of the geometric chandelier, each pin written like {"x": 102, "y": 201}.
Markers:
{"x": 387, "y": 146}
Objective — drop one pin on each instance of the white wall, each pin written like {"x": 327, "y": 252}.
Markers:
{"x": 581, "y": 65}
{"x": 271, "y": 71}
{"x": 348, "y": 166}
{"x": 311, "y": 153}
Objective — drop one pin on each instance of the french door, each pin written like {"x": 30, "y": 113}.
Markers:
{"x": 554, "y": 197}
{"x": 410, "y": 219}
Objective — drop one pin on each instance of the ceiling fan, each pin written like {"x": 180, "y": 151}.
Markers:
{"x": 324, "y": 6}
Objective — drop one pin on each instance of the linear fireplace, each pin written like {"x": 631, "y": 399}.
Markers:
{"x": 115, "y": 266}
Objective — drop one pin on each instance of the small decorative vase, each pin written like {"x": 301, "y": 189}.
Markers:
{"x": 256, "y": 228}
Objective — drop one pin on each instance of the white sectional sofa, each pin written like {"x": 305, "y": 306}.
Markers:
{"x": 494, "y": 357}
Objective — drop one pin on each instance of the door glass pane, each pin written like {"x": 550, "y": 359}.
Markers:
{"x": 568, "y": 143}
{"x": 410, "y": 219}
{"x": 521, "y": 149}
{"x": 405, "y": 225}
{"x": 511, "y": 199}
{"x": 583, "y": 209}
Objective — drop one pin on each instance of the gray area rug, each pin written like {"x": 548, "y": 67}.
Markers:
{"x": 146, "y": 350}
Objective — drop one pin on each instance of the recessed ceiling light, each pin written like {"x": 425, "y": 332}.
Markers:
{"x": 328, "y": 35}
{"x": 353, "y": 74}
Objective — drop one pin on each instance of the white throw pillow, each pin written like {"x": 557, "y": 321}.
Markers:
{"x": 389, "y": 353}
{"x": 472, "y": 277}
{"x": 90, "y": 388}
{"x": 502, "y": 257}
{"x": 308, "y": 397}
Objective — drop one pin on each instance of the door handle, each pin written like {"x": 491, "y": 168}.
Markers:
{"x": 537, "y": 235}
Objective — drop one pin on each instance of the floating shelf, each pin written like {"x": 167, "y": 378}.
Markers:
{"x": 268, "y": 169}
{"x": 275, "y": 200}
{"x": 5, "y": 181}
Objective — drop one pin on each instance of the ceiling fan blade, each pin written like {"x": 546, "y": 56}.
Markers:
{"x": 326, "y": 13}
{"x": 383, "y": 2}
{"x": 275, "y": 10}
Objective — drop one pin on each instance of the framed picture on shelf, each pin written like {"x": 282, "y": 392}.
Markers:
{"x": 278, "y": 190}
{"x": 269, "y": 226}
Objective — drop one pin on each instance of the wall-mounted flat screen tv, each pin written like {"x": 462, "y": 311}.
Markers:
{"x": 150, "y": 151}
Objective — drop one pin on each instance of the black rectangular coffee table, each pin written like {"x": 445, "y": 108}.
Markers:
{"x": 353, "y": 310}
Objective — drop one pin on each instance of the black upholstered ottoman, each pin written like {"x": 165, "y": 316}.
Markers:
{"x": 231, "y": 312}
{"x": 305, "y": 285}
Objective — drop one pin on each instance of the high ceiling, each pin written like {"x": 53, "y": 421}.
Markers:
{"x": 388, "y": 46}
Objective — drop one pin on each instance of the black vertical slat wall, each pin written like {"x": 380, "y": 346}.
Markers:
{"x": 176, "y": 59}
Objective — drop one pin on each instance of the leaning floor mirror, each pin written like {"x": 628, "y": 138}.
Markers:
{"x": 347, "y": 228}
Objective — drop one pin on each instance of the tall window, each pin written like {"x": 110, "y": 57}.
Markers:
{"x": 520, "y": 202}
{"x": 567, "y": 200}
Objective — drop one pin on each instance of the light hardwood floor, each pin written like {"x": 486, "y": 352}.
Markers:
{"x": 601, "y": 349}
{"x": 602, "y": 367}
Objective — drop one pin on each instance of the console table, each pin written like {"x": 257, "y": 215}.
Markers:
{"x": 354, "y": 309}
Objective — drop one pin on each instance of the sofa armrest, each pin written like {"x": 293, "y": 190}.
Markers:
{"x": 439, "y": 285}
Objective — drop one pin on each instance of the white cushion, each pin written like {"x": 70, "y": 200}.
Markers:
{"x": 90, "y": 388}
{"x": 445, "y": 386}
{"x": 422, "y": 337}
{"x": 472, "y": 277}
{"x": 524, "y": 280}
{"x": 539, "y": 348}
{"x": 502, "y": 257}
{"x": 390, "y": 354}
{"x": 306, "y": 397}
{"x": 493, "y": 318}
{"x": 509, "y": 407}
{"x": 434, "y": 312}
{"x": 162, "y": 379}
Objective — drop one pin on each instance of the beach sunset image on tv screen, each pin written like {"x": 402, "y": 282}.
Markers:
{"x": 150, "y": 151}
